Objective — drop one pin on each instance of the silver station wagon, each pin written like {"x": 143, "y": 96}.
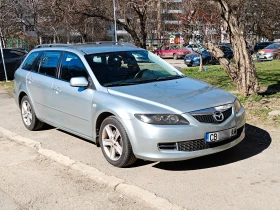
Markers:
{"x": 128, "y": 101}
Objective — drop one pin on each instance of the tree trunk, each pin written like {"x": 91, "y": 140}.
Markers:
{"x": 159, "y": 19}
{"x": 200, "y": 63}
{"x": 243, "y": 73}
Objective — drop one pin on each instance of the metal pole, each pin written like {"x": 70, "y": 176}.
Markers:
{"x": 115, "y": 21}
{"x": 2, "y": 54}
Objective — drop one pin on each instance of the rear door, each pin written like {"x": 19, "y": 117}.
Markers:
{"x": 40, "y": 83}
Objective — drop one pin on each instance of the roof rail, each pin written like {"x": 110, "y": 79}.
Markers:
{"x": 53, "y": 45}
{"x": 110, "y": 43}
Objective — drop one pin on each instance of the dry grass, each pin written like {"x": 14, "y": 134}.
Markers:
{"x": 7, "y": 86}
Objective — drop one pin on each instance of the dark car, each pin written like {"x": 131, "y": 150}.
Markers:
{"x": 13, "y": 58}
{"x": 261, "y": 45}
{"x": 193, "y": 59}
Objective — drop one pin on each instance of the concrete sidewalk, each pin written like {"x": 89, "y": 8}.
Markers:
{"x": 31, "y": 181}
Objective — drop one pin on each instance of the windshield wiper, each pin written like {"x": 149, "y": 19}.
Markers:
{"x": 141, "y": 81}
{"x": 168, "y": 78}
{"x": 120, "y": 84}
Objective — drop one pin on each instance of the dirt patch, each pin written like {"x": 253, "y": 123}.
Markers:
{"x": 257, "y": 112}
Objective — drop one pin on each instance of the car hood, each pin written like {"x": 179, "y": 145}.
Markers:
{"x": 177, "y": 96}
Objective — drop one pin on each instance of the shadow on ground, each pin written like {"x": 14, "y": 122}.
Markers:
{"x": 256, "y": 141}
{"x": 79, "y": 137}
{"x": 271, "y": 89}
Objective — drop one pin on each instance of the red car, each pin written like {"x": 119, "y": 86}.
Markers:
{"x": 172, "y": 51}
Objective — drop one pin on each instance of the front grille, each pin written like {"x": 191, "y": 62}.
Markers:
{"x": 209, "y": 118}
{"x": 198, "y": 144}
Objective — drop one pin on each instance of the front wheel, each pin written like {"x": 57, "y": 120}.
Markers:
{"x": 175, "y": 57}
{"x": 115, "y": 144}
{"x": 28, "y": 116}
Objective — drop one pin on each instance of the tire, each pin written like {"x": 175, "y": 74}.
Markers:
{"x": 206, "y": 62}
{"x": 28, "y": 116}
{"x": 118, "y": 150}
{"x": 175, "y": 57}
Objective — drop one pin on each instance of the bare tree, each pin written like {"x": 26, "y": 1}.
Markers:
{"x": 233, "y": 16}
{"x": 8, "y": 19}
{"x": 132, "y": 15}
{"x": 199, "y": 24}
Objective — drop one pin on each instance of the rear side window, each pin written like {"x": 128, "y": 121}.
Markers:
{"x": 72, "y": 66}
{"x": 48, "y": 63}
{"x": 28, "y": 63}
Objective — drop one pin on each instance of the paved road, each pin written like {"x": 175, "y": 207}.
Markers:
{"x": 244, "y": 177}
{"x": 179, "y": 62}
{"x": 30, "y": 181}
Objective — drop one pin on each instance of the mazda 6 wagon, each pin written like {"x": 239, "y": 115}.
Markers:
{"x": 129, "y": 101}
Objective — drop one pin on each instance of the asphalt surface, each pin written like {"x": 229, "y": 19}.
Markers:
{"x": 244, "y": 177}
{"x": 31, "y": 181}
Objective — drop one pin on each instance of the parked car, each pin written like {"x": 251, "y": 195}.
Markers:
{"x": 193, "y": 59}
{"x": 172, "y": 51}
{"x": 147, "y": 109}
{"x": 230, "y": 46}
{"x": 269, "y": 53}
{"x": 261, "y": 45}
{"x": 12, "y": 59}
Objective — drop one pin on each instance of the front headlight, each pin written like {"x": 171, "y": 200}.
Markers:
{"x": 162, "y": 119}
{"x": 237, "y": 105}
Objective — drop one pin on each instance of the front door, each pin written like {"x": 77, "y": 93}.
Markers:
{"x": 72, "y": 105}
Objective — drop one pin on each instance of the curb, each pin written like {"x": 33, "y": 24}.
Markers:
{"x": 94, "y": 174}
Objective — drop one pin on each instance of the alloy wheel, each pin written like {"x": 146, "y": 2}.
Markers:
{"x": 112, "y": 142}
{"x": 26, "y": 112}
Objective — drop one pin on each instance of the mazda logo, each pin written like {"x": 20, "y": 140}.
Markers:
{"x": 218, "y": 116}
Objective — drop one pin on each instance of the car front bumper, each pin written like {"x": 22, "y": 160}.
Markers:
{"x": 265, "y": 57}
{"x": 146, "y": 139}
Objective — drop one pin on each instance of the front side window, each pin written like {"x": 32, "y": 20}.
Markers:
{"x": 48, "y": 63}
{"x": 28, "y": 63}
{"x": 130, "y": 68}
{"x": 72, "y": 66}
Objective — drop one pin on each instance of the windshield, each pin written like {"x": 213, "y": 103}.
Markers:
{"x": 130, "y": 68}
{"x": 273, "y": 46}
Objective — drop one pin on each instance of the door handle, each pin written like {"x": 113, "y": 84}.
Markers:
{"x": 57, "y": 90}
{"x": 29, "y": 80}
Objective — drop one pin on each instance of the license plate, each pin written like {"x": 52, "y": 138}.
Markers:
{"x": 188, "y": 61}
{"x": 220, "y": 135}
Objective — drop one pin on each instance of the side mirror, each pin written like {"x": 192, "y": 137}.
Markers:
{"x": 178, "y": 68}
{"x": 78, "y": 82}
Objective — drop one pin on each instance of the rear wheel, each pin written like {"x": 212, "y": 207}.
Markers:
{"x": 28, "y": 116}
{"x": 115, "y": 144}
{"x": 206, "y": 62}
